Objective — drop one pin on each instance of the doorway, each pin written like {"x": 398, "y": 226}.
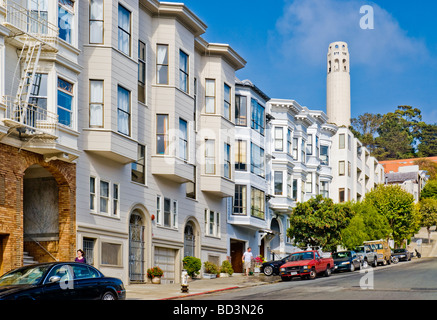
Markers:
{"x": 237, "y": 251}
{"x": 136, "y": 248}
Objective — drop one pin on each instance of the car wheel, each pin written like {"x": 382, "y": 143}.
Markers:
{"x": 365, "y": 264}
{"x": 268, "y": 270}
{"x": 352, "y": 268}
{"x": 328, "y": 271}
{"x": 375, "y": 263}
{"x": 313, "y": 274}
{"x": 384, "y": 262}
{"x": 108, "y": 296}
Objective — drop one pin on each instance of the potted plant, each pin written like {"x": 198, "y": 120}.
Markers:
{"x": 258, "y": 261}
{"x": 211, "y": 270}
{"x": 226, "y": 269}
{"x": 192, "y": 265}
{"x": 155, "y": 274}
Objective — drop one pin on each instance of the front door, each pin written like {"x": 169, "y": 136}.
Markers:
{"x": 237, "y": 250}
{"x": 136, "y": 249}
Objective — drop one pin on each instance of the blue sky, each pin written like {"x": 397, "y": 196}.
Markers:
{"x": 285, "y": 43}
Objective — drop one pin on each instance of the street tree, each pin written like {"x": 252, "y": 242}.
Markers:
{"x": 318, "y": 222}
{"x": 397, "y": 206}
{"x": 428, "y": 211}
{"x": 430, "y": 190}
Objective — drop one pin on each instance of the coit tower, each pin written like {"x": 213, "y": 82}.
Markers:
{"x": 338, "y": 87}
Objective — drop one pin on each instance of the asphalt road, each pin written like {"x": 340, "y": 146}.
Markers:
{"x": 413, "y": 280}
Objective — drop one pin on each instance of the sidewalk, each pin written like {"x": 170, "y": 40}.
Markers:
{"x": 150, "y": 291}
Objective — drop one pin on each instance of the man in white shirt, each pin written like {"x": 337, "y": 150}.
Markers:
{"x": 247, "y": 260}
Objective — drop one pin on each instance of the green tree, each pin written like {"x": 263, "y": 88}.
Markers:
{"x": 397, "y": 206}
{"x": 427, "y": 140}
{"x": 318, "y": 222}
{"x": 365, "y": 128}
{"x": 355, "y": 233}
{"x": 430, "y": 190}
{"x": 429, "y": 166}
{"x": 428, "y": 211}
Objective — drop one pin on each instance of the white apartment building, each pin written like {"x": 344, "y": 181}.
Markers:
{"x": 157, "y": 122}
{"x": 300, "y": 149}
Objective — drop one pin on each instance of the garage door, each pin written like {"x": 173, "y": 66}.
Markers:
{"x": 165, "y": 259}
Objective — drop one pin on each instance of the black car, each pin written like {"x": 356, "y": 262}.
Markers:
{"x": 272, "y": 267}
{"x": 346, "y": 260}
{"x": 60, "y": 281}
{"x": 402, "y": 254}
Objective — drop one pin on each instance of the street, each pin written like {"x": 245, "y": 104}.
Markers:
{"x": 413, "y": 280}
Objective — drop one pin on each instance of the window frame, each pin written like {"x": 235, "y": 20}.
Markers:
{"x": 127, "y": 32}
{"x": 60, "y": 89}
{"x": 142, "y": 70}
{"x": 209, "y": 97}
{"x": 95, "y": 103}
{"x": 165, "y": 134}
{"x": 119, "y": 87}
{"x": 227, "y": 104}
{"x": 184, "y": 74}
{"x": 165, "y": 64}
{"x": 102, "y": 21}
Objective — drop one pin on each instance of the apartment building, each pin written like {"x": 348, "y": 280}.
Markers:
{"x": 39, "y": 129}
{"x": 157, "y": 123}
{"x": 300, "y": 149}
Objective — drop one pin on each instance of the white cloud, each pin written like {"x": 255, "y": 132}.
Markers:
{"x": 308, "y": 26}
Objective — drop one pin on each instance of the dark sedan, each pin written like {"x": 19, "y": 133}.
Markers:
{"x": 60, "y": 281}
{"x": 346, "y": 260}
{"x": 272, "y": 267}
{"x": 402, "y": 254}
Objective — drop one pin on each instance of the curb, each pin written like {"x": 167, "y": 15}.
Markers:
{"x": 199, "y": 293}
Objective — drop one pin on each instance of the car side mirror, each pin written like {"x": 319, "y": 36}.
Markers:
{"x": 54, "y": 279}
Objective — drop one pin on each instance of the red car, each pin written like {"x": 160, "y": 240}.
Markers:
{"x": 307, "y": 265}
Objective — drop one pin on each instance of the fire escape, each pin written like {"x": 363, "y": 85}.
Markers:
{"x": 32, "y": 35}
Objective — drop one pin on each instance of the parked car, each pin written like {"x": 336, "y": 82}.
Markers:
{"x": 60, "y": 281}
{"x": 346, "y": 260}
{"x": 402, "y": 254}
{"x": 272, "y": 267}
{"x": 382, "y": 249}
{"x": 307, "y": 265}
{"x": 367, "y": 256}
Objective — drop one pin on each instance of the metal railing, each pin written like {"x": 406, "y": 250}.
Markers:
{"x": 30, "y": 115}
{"x": 30, "y": 22}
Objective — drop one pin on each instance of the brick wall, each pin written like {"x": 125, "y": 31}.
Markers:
{"x": 13, "y": 164}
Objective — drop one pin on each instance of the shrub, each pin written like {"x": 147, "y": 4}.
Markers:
{"x": 192, "y": 265}
{"x": 211, "y": 268}
{"x": 154, "y": 272}
{"x": 226, "y": 268}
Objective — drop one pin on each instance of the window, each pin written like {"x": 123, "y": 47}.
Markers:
{"x": 324, "y": 191}
{"x": 212, "y": 223}
{"x": 96, "y": 103}
{"x": 111, "y": 254}
{"x": 289, "y": 185}
{"x": 162, "y": 64}
{"x": 317, "y": 147}
{"x": 161, "y": 133}
{"x": 88, "y": 247}
{"x": 167, "y": 212}
{"x": 295, "y": 148}
{"x": 195, "y": 103}
{"x": 349, "y": 142}
{"x": 92, "y": 193}
{"x": 309, "y": 149}
{"x": 65, "y": 102}
{"x": 258, "y": 116}
{"x": 257, "y": 160}
{"x": 190, "y": 187}
{"x": 123, "y": 110}
{"x": 241, "y": 110}
{"x": 227, "y": 161}
{"x": 38, "y": 92}
{"x": 324, "y": 155}
{"x": 227, "y": 102}
{"x": 289, "y": 141}
{"x": 240, "y": 200}
{"x": 124, "y": 30}
{"x": 294, "y": 189}
{"x": 210, "y": 96}
{"x": 278, "y": 181}
{"x": 104, "y": 196}
{"x": 302, "y": 151}
{"x": 309, "y": 183}
{"x": 209, "y": 156}
{"x": 96, "y": 21}
{"x": 65, "y": 19}
{"x": 183, "y": 71}
{"x": 279, "y": 139}
{"x": 349, "y": 169}
{"x": 115, "y": 198}
{"x": 341, "y": 141}
{"x": 175, "y": 214}
{"x": 39, "y": 16}
{"x": 257, "y": 203}
{"x": 341, "y": 195}
{"x": 138, "y": 168}
{"x": 341, "y": 168}
{"x": 158, "y": 210}
{"x": 141, "y": 72}
{"x": 240, "y": 155}
{"x": 183, "y": 139}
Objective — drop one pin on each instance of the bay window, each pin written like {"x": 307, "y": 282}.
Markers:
{"x": 65, "y": 102}
{"x": 123, "y": 110}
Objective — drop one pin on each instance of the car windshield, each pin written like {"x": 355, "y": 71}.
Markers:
{"x": 301, "y": 256}
{"x": 359, "y": 249}
{"x": 341, "y": 255}
{"x": 26, "y": 275}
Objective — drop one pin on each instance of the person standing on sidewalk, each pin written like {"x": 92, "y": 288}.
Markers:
{"x": 247, "y": 260}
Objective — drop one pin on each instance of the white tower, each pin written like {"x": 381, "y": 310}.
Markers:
{"x": 338, "y": 87}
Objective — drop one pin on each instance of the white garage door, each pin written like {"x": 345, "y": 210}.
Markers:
{"x": 165, "y": 259}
